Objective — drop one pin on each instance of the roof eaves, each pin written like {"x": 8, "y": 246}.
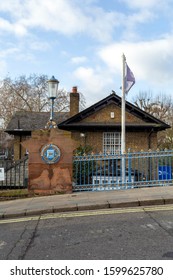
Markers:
{"x": 134, "y": 110}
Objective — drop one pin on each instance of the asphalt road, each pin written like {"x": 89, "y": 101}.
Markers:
{"x": 122, "y": 234}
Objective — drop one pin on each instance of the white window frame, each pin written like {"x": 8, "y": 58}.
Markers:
{"x": 111, "y": 142}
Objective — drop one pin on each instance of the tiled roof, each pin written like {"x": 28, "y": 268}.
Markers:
{"x": 25, "y": 122}
{"x": 28, "y": 121}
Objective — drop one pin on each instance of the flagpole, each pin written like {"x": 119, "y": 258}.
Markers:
{"x": 123, "y": 120}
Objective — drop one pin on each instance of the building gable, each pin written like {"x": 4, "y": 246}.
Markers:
{"x": 111, "y": 114}
{"x": 99, "y": 115}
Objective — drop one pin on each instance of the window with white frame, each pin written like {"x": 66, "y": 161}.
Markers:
{"x": 111, "y": 142}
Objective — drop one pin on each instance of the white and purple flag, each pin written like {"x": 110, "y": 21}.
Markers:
{"x": 129, "y": 79}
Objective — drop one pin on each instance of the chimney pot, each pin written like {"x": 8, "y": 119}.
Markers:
{"x": 74, "y": 89}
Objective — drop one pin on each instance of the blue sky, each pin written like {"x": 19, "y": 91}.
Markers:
{"x": 81, "y": 43}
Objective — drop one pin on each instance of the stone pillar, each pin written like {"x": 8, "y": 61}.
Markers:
{"x": 55, "y": 177}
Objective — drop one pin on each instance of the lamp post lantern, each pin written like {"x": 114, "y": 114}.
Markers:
{"x": 52, "y": 89}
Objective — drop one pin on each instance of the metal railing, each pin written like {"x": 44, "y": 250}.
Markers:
{"x": 15, "y": 174}
{"x": 104, "y": 171}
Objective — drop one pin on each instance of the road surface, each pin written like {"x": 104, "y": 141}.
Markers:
{"x": 121, "y": 234}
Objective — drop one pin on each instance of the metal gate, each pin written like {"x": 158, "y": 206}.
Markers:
{"x": 14, "y": 175}
{"x": 96, "y": 172}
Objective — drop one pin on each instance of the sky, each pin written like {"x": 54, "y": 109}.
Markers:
{"x": 81, "y": 43}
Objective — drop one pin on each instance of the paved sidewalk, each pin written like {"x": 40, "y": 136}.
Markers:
{"x": 86, "y": 201}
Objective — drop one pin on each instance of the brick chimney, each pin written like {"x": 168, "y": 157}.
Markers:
{"x": 74, "y": 101}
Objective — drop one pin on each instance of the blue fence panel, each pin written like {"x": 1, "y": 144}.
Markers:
{"x": 104, "y": 171}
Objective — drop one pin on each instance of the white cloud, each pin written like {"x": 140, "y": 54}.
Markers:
{"x": 78, "y": 59}
{"x": 3, "y": 68}
{"x": 139, "y": 17}
{"x": 94, "y": 82}
{"x": 147, "y": 4}
{"x": 150, "y": 60}
{"x": 101, "y": 24}
{"x": 39, "y": 45}
{"x": 71, "y": 17}
{"x": 14, "y": 11}
{"x": 63, "y": 16}
{"x": 5, "y": 25}
{"x": 9, "y": 51}
{"x": 90, "y": 79}
{"x": 79, "y": 20}
{"x": 55, "y": 15}
{"x": 14, "y": 7}
{"x": 14, "y": 53}
{"x": 15, "y": 28}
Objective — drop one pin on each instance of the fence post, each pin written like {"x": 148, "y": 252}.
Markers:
{"x": 129, "y": 166}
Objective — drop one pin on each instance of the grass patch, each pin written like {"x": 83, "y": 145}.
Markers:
{"x": 20, "y": 193}
{"x": 14, "y": 193}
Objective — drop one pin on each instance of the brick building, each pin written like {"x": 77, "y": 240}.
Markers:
{"x": 98, "y": 126}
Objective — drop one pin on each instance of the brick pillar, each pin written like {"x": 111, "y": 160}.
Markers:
{"x": 45, "y": 178}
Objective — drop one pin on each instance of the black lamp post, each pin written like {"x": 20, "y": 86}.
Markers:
{"x": 52, "y": 89}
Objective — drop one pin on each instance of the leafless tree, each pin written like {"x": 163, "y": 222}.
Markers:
{"x": 6, "y": 145}
{"x": 29, "y": 94}
{"x": 161, "y": 107}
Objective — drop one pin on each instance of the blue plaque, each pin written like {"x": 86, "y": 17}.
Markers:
{"x": 50, "y": 154}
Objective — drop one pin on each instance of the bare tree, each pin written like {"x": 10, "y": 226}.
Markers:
{"x": 29, "y": 94}
{"x": 6, "y": 145}
{"x": 161, "y": 107}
